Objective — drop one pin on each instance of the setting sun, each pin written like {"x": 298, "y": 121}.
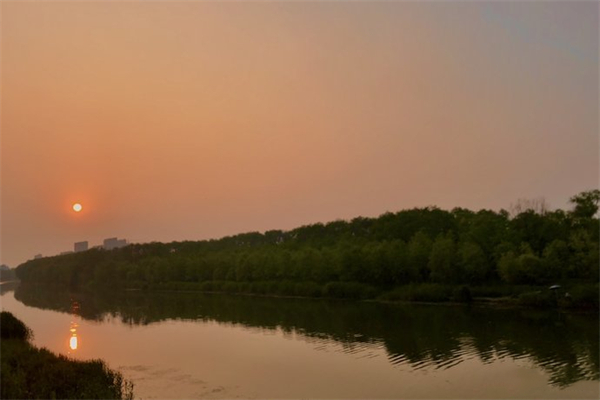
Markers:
{"x": 77, "y": 207}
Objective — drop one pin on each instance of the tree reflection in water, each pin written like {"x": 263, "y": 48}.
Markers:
{"x": 564, "y": 345}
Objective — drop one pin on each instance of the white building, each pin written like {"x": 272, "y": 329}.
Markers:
{"x": 80, "y": 246}
{"x": 114, "y": 243}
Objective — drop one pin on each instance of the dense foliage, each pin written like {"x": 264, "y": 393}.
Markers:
{"x": 32, "y": 373}
{"x": 13, "y": 328}
{"x": 357, "y": 258}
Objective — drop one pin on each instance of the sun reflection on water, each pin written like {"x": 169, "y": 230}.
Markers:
{"x": 74, "y": 340}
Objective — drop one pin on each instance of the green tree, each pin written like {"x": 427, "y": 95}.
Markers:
{"x": 585, "y": 204}
{"x": 556, "y": 260}
{"x": 509, "y": 268}
{"x": 419, "y": 249}
{"x": 583, "y": 263}
{"x": 442, "y": 260}
{"x": 473, "y": 262}
{"x": 402, "y": 272}
{"x": 533, "y": 269}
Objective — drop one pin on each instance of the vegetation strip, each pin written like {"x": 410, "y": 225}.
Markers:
{"x": 32, "y": 373}
{"x": 422, "y": 254}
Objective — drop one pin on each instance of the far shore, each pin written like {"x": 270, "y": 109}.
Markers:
{"x": 529, "y": 297}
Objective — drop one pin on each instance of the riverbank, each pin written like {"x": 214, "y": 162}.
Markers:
{"x": 29, "y": 372}
{"x": 580, "y": 297}
{"x": 574, "y": 297}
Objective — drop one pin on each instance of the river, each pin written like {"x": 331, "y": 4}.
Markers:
{"x": 193, "y": 345}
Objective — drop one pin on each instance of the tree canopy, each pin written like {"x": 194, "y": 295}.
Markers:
{"x": 415, "y": 246}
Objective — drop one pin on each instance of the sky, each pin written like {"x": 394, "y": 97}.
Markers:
{"x": 190, "y": 120}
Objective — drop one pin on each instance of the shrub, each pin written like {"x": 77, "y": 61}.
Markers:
{"x": 428, "y": 292}
{"x": 540, "y": 298}
{"x": 309, "y": 289}
{"x": 349, "y": 290}
{"x": 32, "y": 373}
{"x": 462, "y": 295}
{"x": 491, "y": 291}
{"x": 583, "y": 296}
{"x": 12, "y": 328}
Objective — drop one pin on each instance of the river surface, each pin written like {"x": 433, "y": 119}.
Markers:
{"x": 191, "y": 345}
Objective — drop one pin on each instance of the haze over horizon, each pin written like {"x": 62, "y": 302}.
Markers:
{"x": 196, "y": 120}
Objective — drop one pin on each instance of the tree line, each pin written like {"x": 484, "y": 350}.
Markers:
{"x": 410, "y": 247}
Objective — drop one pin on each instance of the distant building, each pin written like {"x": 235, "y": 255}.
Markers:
{"x": 80, "y": 246}
{"x": 114, "y": 243}
{"x": 37, "y": 256}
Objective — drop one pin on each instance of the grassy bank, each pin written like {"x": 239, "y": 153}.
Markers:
{"x": 32, "y": 373}
{"x": 574, "y": 296}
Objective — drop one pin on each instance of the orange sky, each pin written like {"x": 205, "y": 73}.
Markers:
{"x": 194, "y": 120}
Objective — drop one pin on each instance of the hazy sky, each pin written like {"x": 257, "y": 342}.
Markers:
{"x": 194, "y": 120}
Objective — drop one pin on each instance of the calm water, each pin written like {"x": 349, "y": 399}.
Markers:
{"x": 188, "y": 345}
